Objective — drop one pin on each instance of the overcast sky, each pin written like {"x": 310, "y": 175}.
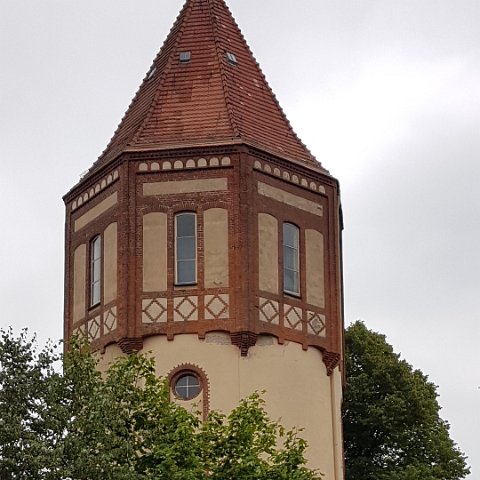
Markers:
{"x": 385, "y": 93}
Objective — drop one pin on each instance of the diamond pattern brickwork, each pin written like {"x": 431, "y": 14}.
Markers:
{"x": 154, "y": 310}
{"x": 110, "y": 321}
{"x": 217, "y": 307}
{"x": 269, "y": 311}
{"x": 292, "y": 317}
{"x": 93, "y": 328}
{"x": 185, "y": 309}
{"x": 316, "y": 324}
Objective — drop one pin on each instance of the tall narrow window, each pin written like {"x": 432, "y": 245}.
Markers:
{"x": 291, "y": 268}
{"x": 95, "y": 270}
{"x": 186, "y": 248}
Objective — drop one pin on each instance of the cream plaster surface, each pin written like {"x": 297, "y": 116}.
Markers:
{"x": 79, "y": 278}
{"x": 185, "y": 186}
{"x": 268, "y": 253}
{"x": 155, "y": 252}
{"x": 289, "y": 199}
{"x": 337, "y": 396}
{"x": 298, "y": 390}
{"x": 216, "y": 247}
{"x": 96, "y": 211}
{"x": 314, "y": 256}
{"x": 110, "y": 264}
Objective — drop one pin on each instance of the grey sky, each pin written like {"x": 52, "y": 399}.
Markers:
{"x": 386, "y": 94}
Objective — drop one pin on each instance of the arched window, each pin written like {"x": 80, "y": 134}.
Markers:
{"x": 186, "y": 248}
{"x": 291, "y": 259}
{"x": 95, "y": 270}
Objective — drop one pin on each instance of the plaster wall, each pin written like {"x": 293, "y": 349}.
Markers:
{"x": 110, "y": 264}
{"x": 216, "y": 247}
{"x": 96, "y": 211}
{"x": 315, "y": 270}
{"x": 185, "y": 186}
{"x": 79, "y": 279}
{"x": 155, "y": 252}
{"x": 290, "y": 199}
{"x": 298, "y": 390}
{"x": 268, "y": 253}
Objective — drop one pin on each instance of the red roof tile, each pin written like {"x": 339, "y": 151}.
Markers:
{"x": 207, "y": 100}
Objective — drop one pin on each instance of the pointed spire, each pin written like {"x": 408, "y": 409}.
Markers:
{"x": 205, "y": 88}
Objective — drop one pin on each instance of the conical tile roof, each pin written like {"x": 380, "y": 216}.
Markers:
{"x": 205, "y": 88}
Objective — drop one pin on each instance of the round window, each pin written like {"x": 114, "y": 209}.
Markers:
{"x": 187, "y": 386}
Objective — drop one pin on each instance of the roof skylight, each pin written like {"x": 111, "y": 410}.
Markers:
{"x": 185, "y": 57}
{"x": 232, "y": 59}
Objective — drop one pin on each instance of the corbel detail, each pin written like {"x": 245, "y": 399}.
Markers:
{"x": 331, "y": 361}
{"x": 244, "y": 340}
{"x": 130, "y": 345}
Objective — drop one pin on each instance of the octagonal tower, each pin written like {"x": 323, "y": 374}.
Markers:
{"x": 208, "y": 234}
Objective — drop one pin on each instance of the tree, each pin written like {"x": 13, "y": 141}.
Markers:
{"x": 392, "y": 426}
{"x": 77, "y": 424}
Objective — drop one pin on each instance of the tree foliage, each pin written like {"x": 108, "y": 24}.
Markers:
{"x": 73, "y": 423}
{"x": 392, "y": 425}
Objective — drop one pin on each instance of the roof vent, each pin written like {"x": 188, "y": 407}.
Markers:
{"x": 185, "y": 57}
{"x": 151, "y": 72}
{"x": 232, "y": 59}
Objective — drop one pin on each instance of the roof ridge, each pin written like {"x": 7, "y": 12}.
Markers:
{"x": 264, "y": 78}
{"x": 231, "y": 111}
{"x": 181, "y": 20}
{"x": 177, "y": 24}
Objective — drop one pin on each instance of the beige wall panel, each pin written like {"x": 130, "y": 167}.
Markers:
{"x": 96, "y": 211}
{"x": 337, "y": 395}
{"x": 110, "y": 263}
{"x": 268, "y": 253}
{"x": 155, "y": 252}
{"x": 315, "y": 268}
{"x": 185, "y": 186}
{"x": 216, "y": 247}
{"x": 289, "y": 199}
{"x": 296, "y": 383}
{"x": 79, "y": 279}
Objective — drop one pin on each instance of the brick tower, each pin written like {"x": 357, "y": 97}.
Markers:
{"x": 208, "y": 234}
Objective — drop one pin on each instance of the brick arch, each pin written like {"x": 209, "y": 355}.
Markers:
{"x": 195, "y": 369}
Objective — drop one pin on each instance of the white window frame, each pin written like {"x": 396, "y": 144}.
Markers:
{"x": 95, "y": 271}
{"x": 296, "y": 249}
{"x": 195, "y": 259}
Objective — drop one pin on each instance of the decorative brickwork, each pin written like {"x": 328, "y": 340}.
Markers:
{"x": 130, "y": 345}
{"x": 331, "y": 361}
{"x": 244, "y": 340}
{"x": 167, "y": 165}
{"x": 204, "y": 381}
{"x": 154, "y": 311}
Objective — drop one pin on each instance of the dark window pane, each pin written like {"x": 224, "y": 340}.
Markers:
{"x": 290, "y": 258}
{"x": 186, "y": 248}
{"x": 186, "y": 225}
{"x": 186, "y": 271}
{"x": 187, "y": 386}
{"x": 290, "y": 235}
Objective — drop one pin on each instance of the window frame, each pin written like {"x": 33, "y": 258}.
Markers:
{"x": 297, "y": 259}
{"x": 198, "y": 386}
{"x": 195, "y": 259}
{"x": 95, "y": 273}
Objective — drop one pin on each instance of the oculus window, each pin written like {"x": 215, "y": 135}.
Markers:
{"x": 186, "y": 248}
{"x": 95, "y": 270}
{"x": 187, "y": 386}
{"x": 291, "y": 259}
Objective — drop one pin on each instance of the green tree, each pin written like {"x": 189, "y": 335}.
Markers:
{"x": 392, "y": 425}
{"x": 73, "y": 423}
